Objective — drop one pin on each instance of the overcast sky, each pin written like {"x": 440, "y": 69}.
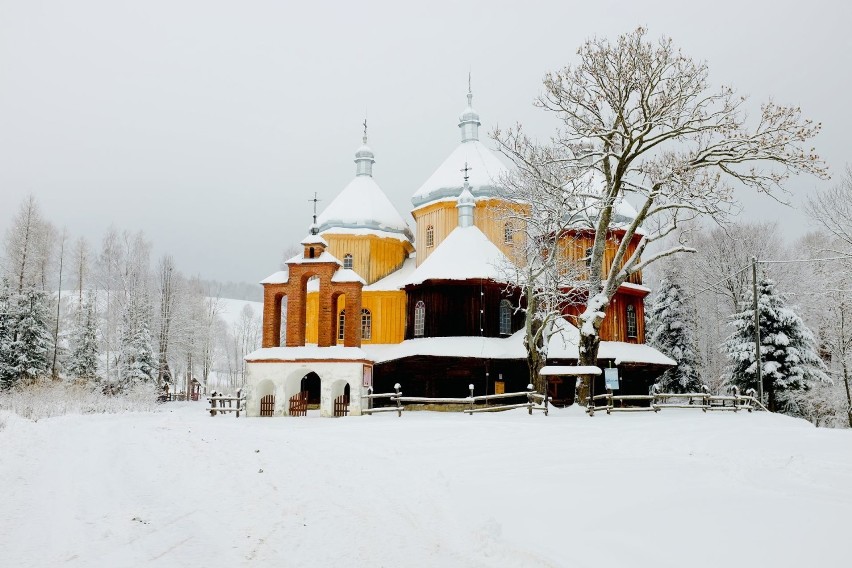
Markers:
{"x": 209, "y": 124}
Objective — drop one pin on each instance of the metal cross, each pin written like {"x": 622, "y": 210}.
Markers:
{"x": 465, "y": 169}
{"x": 365, "y": 128}
{"x": 315, "y": 200}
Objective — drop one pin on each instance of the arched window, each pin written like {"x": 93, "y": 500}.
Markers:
{"x": 588, "y": 257}
{"x": 366, "y": 324}
{"x": 631, "y": 321}
{"x": 505, "y": 317}
{"x": 347, "y": 261}
{"x": 419, "y": 318}
{"x": 341, "y": 321}
{"x": 508, "y": 233}
{"x": 430, "y": 236}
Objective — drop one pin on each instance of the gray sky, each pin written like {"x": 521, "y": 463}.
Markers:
{"x": 209, "y": 124}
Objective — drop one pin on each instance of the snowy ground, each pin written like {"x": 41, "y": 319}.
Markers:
{"x": 179, "y": 488}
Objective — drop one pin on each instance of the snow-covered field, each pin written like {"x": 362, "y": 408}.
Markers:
{"x": 179, "y": 488}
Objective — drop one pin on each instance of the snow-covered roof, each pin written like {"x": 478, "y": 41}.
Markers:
{"x": 346, "y": 275}
{"x": 446, "y": 181}
{"x": 569, "y": 370}
{"x": 307, "y": 353}
{"x": 365, "y": 231}
{"x": 280, "y": 277}
{"x": 396, "y": 280}
{"x": 363, "y": 205}
{"x": 324, "y": 257}
{"x": 313, "y": 240}
{"x": 563, "y": 345}
{"x": 465, "y": 254}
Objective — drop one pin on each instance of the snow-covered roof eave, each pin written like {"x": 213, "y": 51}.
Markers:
{"x": 280, "y": 277}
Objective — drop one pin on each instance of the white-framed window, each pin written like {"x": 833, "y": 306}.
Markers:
{"x": 419, "y": 318}
{"x": 505, "y": 317}
{"x": 341, "y": 323}
{"x": 347, "y": 261}
{"x": 430, "y": 236}
{"x": 366, "y": 324}
{"x": 508, "y": 233}
{"x": 631, "y": 321}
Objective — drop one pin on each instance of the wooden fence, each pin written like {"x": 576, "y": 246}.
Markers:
{"x": 219, "y": 403}
{"x": 535, "y": 401}
{"x": 657, "y": 401}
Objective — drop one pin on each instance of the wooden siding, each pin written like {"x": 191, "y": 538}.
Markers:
{"x": 453, "y": 309}
{"x": 373, "y": 257}
{"x": 444, "y": 217}
{"x": 387, "y": 311}
{"x": 574, "y": 246}
{"x": 614, "y": 325}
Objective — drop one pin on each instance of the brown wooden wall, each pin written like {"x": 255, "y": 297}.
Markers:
{"x": 614, "y": 325}
{"x": 453, "y": 309}
{"x": 574, "y": 246}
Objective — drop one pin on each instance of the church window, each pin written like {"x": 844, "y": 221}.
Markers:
{"x": 588, "y": 257}
{"x": 430, "y": 236}
{"x": 505, "y": 317}
{"x": 508, "y": 233}
{"x": 631, "y": 321}
{"x": 366, "y": 324}
{"x": 341, "y": 322}
{"x": 347, "y": 261}
{"x": 419, "y": 318}
{"x": 311, "y": 252}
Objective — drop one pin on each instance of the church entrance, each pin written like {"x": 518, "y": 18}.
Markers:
{"x": 310, "y": 388}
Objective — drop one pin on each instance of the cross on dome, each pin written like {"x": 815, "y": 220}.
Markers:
{"x": 466, "y": 169}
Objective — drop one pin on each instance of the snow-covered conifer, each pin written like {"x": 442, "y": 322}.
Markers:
{"x": 32, "y": 339}
{"x": 673, "y": 323}
{"x": 8, "y": 319}
{"x": 84, "y": 354}
{"x": 137, "y": 362}
{"x": 789, "y": 357}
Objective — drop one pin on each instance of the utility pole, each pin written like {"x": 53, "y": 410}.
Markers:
{"x": 756, "y": 328}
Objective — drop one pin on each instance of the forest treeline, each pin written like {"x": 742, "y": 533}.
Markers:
{"x": 108, "y": 313}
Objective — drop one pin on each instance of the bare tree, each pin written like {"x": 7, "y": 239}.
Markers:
{"x": 167, "y": 298}
{"x": 832, "y": 209}
{"x": 640, "y": 117}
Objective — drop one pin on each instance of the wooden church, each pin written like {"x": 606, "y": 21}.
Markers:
{"x": 360, "y": 307}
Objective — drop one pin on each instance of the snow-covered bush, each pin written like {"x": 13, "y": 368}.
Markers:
{"x": 46, "y": 398}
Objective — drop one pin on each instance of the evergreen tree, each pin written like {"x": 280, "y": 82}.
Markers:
{"x": 137, "y": 361}
{"x": 674, "y": 333}
{"x": 8, "y": 319}
{"x": 789, "y": 356}
{"x": 84, "y": 354}
{"x": 32, "y": 339}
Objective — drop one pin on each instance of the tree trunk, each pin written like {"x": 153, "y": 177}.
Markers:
{"x": 589, "y": 345}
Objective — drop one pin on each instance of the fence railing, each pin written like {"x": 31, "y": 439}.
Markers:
{"x": 535, "y": 401}
{"x": 657, "y": 401}
{"x": 220, "y": 403}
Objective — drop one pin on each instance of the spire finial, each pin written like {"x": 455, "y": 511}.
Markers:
{"x": 314, "y": 228}
{"x": 469, "y": 90}
{"x": 466, "y": 169}
{"x": 365, "y": 128}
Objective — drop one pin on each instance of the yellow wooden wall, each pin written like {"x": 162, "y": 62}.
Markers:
{"x": 387, "y": 309}
{"x": 373, "y": 257}
{"x": 444, "y": 217}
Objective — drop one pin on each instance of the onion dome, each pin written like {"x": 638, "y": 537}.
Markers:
{"x": 486, "y": 168}
{"x": 362, "y": 207}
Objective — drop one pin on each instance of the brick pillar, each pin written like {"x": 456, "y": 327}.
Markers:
{"x": 296, "y": 315}
{"x": 271, "y": 316}
{"x": 325, "y": 330}
{"x": 352, "y": 333}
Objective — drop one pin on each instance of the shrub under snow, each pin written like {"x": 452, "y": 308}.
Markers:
{"x": 46, "y": 398}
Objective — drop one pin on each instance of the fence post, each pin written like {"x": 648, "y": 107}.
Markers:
{"x": 735, "y": 391}
{"x": 369, "y": 398}
{"x": 470, "y": 387}
{"x": 753, "y": 394}
{"x": 706, "y": 398}
{"x": 239, "y": 401}
{"x": 397, "y": 388}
